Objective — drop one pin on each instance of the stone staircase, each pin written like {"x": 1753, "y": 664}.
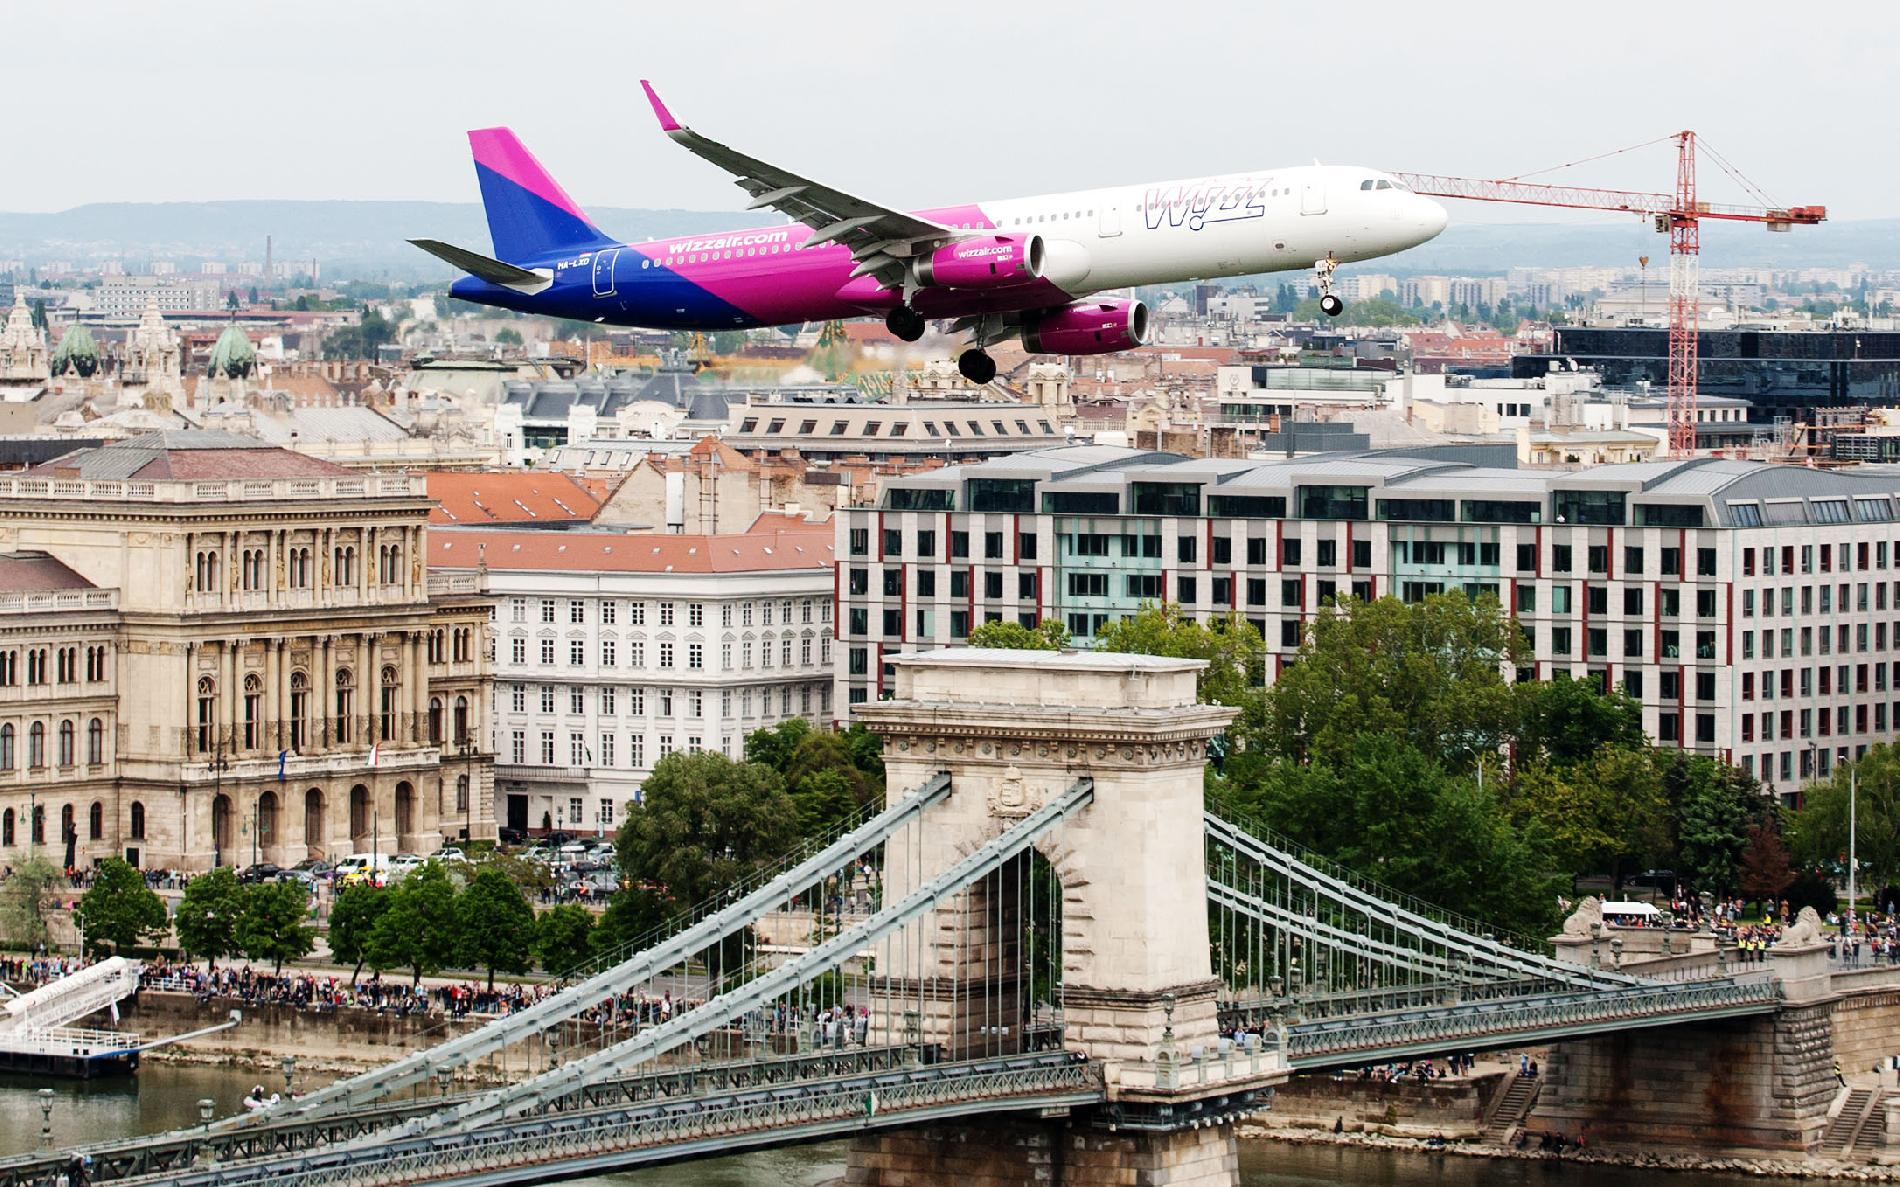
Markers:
{"x": 1514, "y": 1104}
{"x": 1845, "y": 1131}
{"x": 1872, "y": 1138}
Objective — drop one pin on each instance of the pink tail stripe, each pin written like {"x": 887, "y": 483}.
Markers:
{"x": 500, "y": 150}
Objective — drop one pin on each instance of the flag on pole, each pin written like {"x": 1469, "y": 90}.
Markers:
{"x": 375, "y": 752}
{"x": 283, "y": 756}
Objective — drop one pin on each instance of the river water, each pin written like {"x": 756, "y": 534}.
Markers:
{"x": 165, "y": 1096}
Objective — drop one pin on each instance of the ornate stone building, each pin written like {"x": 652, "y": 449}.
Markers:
{"x": 284, "y": 678}
{"x": 153, "y": 373}
{"x": 24, "y": 363}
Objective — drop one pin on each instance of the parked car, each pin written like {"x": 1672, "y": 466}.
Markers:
{"x": 303, "y": 878}
{"x": 263, "y": 871}
{"x": 511, "y": 836}
{"x": 363, "y": 868}
{"x": 316, "y": 867}
{"x": 404, "y": 864}
{"x": 450, "y": 853}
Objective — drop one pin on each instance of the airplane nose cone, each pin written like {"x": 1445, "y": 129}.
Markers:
{"x": 1431, "y": 219}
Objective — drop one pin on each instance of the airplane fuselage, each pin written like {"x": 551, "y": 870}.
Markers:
{"x": 1094, "y": 240}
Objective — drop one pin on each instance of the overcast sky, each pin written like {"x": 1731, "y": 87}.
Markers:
{"x": 919, "y": 104}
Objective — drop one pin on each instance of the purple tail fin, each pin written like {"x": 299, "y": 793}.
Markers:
{"x": 530, "y": 217}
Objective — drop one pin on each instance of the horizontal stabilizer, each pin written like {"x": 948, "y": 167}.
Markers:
{"x": 475, "y": 264}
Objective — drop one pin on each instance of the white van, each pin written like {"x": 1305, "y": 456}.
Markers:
{"x": 359, "y": 868}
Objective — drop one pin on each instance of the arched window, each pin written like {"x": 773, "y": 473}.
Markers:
{"x": 138, "y": 821}
{"x": 96, "y": 821}
{"x": 95, "y": 741}
{"x": 68, "y": 743}
{"x": 6, "y": 747}
{"x": 461, "y": 721}
{"x": 36, "y": 745}
{"x": 435, "y": 720}
{"x": 313, "y": 818}
{"x": 66, "y": 828}
{"x": 253, "y": 712}
{"x": 386, "y": 705}
{"x": 267, "y": 818}
{"x": 6, "y": 828}
{"x": 207, "y": 712}
{"x": 299, "y": 709}
{"x": 345, "y": 702}
{"x": 461, "y": 793}
{"x": 39, "y": 824}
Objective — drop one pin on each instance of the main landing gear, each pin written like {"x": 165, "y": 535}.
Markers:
{"x": 1329, "y": 304}
{"x": 976, "y": 366}
{"x": 906, "y": 323}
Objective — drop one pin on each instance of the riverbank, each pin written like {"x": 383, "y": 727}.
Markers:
{"x": 1263, "y": 1133}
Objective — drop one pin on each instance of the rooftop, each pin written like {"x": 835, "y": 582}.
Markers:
{"x": 802, "y": 549}
{"x": 37, "y": 572}
{"x": 473, "y": 499}
{"x": 188, "y": 454}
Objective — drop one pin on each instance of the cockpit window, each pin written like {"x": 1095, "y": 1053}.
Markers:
{"x": 1385, "y": 185}
{"x": 1366, "y": 184}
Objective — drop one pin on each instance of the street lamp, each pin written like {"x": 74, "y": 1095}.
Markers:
{"x": 217, "y": 766}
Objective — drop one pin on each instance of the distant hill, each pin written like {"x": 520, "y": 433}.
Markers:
{"x": 366, "y": 239}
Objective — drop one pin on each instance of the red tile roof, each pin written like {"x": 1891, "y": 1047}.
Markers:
{"x": 471, "y": 498}
{"x": 646, "y": 552}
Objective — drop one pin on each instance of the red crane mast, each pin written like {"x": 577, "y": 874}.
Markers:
{"x": 1679, "y": 214}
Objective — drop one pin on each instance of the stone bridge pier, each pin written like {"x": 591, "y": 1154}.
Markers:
{"x": 1013, "y": 728}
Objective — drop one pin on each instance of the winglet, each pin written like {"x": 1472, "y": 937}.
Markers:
{"x": 667, "y": 122}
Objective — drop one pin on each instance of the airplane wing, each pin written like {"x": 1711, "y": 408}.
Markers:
{"x": 880, "y": 238}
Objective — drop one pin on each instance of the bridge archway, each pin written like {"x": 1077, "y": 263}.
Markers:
{"x": 313, "y": 822}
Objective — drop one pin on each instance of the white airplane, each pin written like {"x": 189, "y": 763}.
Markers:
{"x": 1043, "y": 269}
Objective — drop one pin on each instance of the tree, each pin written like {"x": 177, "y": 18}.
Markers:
{"x": 705, "y": 823}
{"x": 829, "y": 753}
{"x": 633, "y": 914}
{"x": 119, "y": 911}
{"x": 1566, "y": 721}
{"x": 353, "y": 918}
{"x": 207, "y": 919}
{"x": 1600, "y": 813}
{"x": 1765, "y": 869}
{"x": 417, "y": 931}
{"x": 561, "y": 938}
{"x": 1430, "y": 673}
{"x": 824, "y": 800}
{"x": 773, "y": 745}
{"x": 1819, "y": 830}
{"x": 23, "y": 900}
{"x": 272, "y": 925}
{"x": 1714, "y": 805}
{"x": 494, "y": 925}
{"x": 1047, "y": 635}
{"x": 508, "y": 336}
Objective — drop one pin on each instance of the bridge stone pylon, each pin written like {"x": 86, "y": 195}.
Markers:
{"x": 1013, "y": 727}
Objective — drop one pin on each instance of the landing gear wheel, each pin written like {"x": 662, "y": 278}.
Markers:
{"x": 1331, "y": 306}
{"x": 906, "y": 323}
{"x": 976, "y": 366}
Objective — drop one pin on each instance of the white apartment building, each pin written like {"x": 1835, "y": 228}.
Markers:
{"x": 613, "y": 650}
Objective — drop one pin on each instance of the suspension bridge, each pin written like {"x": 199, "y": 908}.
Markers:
{"x": 1060, "y": 937}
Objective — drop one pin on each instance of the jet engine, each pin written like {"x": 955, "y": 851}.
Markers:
{"x": 1087, "y": 327}
{"x": 983, "y": 261}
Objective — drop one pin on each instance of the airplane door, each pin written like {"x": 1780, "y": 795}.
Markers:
{"x": 1111, "y": 224}
{"x": 1313, "y": 198}
{"x": 604, "y": 271}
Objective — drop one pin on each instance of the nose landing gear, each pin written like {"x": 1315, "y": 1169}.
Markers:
{"x": 1329, "y": 303}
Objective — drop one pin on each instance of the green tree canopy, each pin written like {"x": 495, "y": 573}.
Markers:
{"x": 632, "y": 915}
{"x": 1047, "y": 635}
{"x": 1715, "y": 806}
{"x": 773, "y": 745}
{"x": 353, "y": 919}
{"x": 207, "y": 918}
{"x": 1819, "y": 831}
{"x": 825, "y": 799}
{"x": 1566, "y": 721}
{"x": 23, "y": 898}
{"x": 1431, "y": 673}
{"x": 1601, "y": 814}
{"x": 561, "y": 938}
{"x": 705, "y": 823}
{"x": 417, "y": 931}
{"x": 494, "y": 924}
{"x": 119, "y": 911}
{"x": 272, "y": 925}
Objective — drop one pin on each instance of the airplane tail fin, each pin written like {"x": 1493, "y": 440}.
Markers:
{"x": 530, "y": 217}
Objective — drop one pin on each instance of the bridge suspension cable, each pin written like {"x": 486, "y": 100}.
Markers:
{"x": 587, "y": 994}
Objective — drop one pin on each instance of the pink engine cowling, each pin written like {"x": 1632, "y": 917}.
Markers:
{"x": 983, "y": 261}
{"x": 1087, "y": 327}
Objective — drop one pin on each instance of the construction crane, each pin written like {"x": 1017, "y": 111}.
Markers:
{"x": 1680, "y": 215}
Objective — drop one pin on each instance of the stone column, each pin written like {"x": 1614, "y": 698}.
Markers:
{"x": 233, "y": 696}
{"x": 324, "y": 678}
{"x": 274, "y": 698}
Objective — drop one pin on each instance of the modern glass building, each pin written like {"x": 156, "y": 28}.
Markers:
{"x": 1780, "y": 373}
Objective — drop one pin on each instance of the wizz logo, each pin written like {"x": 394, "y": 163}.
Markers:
{"x": 1196, "y": 206}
